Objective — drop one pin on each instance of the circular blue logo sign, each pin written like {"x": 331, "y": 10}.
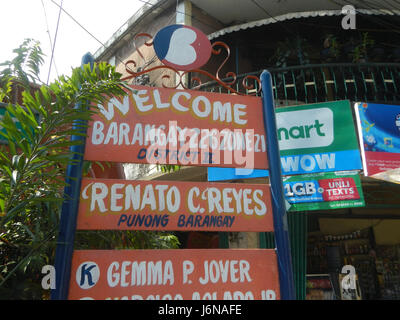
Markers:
{"x": 182, "y": 47}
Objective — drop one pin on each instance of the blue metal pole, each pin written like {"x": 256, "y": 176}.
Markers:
{"x": 281, "y": 229}
{"x": 69, "y": 210}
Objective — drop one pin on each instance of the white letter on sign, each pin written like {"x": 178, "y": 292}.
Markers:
{"x": 97, "y": 134}
{"x": 188, "y": 268}
{"x": 113, "y": 275}
{"x": 98, "y": 197}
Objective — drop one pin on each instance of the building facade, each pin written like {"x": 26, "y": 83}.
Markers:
{"x": 316, "y": 51}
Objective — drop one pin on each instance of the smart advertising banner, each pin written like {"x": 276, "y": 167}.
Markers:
{"x": 185, "y": 127}
{"x": 202, "y": 274}
{"x": 379, "y": 132}
{"x": 316, "y": 137}
{"x": 322, "y": 191}
{"x": 178, "y": 206}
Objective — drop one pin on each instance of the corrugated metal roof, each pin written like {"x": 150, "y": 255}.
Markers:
{"x": 296, "y": 15}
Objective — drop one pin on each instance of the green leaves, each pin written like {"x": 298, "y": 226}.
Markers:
{"x": 107, "y": 239}
{"x": 168, "y": 168}
{"x": 33, "y": 162}
{"x": 25, "y": 66}
{"x": 33, "y": 166}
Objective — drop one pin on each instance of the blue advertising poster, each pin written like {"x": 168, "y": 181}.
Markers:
{"x": 216, "y": 174}
{"x": 312, "y": 138}
{"x": 379, "y": 131}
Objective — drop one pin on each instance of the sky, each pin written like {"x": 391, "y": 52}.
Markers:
{"x": 21, "y": 19}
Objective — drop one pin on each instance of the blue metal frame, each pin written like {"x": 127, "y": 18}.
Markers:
{"x": 69, "y": 211}
{"x": 281, "y": 229}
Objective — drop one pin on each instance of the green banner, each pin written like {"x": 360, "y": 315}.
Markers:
{"x": 316, "y": 128}
{"x": 323, "y": 191}
{"x": 317, "y": 137}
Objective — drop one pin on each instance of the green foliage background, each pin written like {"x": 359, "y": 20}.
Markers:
{"x": 33, "y": 164}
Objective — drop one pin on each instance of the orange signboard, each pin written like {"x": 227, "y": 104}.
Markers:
{"x": 212, "y": 274}
{"x": 170, "y": 205}
{"x": 185, "y": 127}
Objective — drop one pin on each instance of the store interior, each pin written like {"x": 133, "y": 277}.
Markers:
{"x": 370, "y": 245}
